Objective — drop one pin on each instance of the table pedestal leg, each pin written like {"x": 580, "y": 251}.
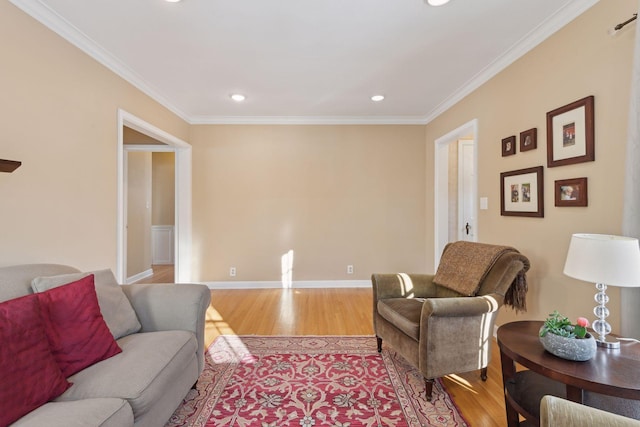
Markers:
{"x": 508, "y": 372}
{"x": 574, "y": 394}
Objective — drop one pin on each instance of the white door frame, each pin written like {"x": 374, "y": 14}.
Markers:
{"x": 183, "y": 225}
{"x": 441, "y": 181}
{"x": 463, "y": 171}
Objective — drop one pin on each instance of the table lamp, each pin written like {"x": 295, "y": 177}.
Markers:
{"x": 604, "y": 260}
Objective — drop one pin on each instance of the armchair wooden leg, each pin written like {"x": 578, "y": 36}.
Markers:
{"x": 483, "y": 374}
{"x": 428, "y": 383}
{"x": 379, "y": 340}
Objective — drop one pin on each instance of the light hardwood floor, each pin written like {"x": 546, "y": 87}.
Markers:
{"x": 334, "y": 312}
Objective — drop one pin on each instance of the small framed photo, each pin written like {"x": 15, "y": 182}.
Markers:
{"x": 570, "y": 133}
{"x": 522, "y": 192}
{"x": 529, "y": 140}
{"x": 509, "y": 146}
{"x": 571, "y": 192}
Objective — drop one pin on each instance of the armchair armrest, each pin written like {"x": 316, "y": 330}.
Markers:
{"x": 461, "y": 328}
{"x": 165, "y": 307}
{"x": 459, "y": 307}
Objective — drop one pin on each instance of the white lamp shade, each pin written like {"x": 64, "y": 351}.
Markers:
{"x": 601, "y": 258}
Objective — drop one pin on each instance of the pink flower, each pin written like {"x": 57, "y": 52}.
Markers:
{"x": 582, "y": 321}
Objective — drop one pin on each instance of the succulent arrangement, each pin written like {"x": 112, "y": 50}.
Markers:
{"x": 560, "y": 325}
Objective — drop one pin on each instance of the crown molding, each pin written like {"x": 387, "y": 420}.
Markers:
{"x": 308, "y": 120}
{"x": 539, "y": 34}
{"x": 62, "y": 27}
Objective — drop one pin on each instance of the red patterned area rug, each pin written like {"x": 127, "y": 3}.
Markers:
{"x": 334, "y": 381}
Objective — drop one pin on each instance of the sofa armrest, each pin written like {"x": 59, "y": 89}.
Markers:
{"x": 163, "y": 307}
{"x": 558, "y": 412}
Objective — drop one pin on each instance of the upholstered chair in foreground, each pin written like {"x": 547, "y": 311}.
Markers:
{"x": 443, "y": 323}
{"x": 558, "y": 412}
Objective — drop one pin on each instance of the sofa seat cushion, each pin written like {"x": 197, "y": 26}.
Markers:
{"x": 149, "y": 366}
{"x": 403, "y": 313}
{"x": 105, "y": 412}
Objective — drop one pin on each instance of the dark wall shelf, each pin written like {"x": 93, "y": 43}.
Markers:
{"x": 9, "y": 165}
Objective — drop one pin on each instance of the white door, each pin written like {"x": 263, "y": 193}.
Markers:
{"x": 441, "y": 184}
{"x": 466, "y": 191}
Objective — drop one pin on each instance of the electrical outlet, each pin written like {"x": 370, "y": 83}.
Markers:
{"x": 232, "y": 272}
{"x": 349, "y": 269}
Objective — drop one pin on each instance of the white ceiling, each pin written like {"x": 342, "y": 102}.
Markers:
{"x": 304, "y": 61}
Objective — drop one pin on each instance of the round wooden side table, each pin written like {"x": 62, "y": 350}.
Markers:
{"x": 610, "y": 380}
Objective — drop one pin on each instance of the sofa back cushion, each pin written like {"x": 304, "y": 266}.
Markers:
{"x": 76, "y": 331}
{"x": 115, "y": 307}
{"x": 29, "y": 375}
{"x": 15, "y": 280}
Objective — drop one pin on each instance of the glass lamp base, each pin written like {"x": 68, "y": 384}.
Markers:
{"x": 608, "y": 344}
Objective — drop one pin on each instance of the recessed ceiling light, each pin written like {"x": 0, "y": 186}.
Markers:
{"x": 173, "y": 1}
{"x": 238, "y": 97}
{"x": 377, "y": 98}
{"x": 437, "y": 2}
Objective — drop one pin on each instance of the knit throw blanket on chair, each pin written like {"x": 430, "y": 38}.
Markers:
{"x": 464, "y": 265}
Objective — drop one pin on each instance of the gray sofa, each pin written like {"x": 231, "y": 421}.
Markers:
{"x": 160, "y": 329}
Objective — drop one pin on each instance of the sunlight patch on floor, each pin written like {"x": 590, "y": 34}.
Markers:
{"x": 461, "y": 382}
{"x": 215, "y": 325}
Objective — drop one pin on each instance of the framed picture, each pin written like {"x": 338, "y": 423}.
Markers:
{"x": 529, "y": 140}
{"x": 509, "y": 146}
{"x": 521, "y": 192}
{"x": 570, "y": 133}
{"x": 571, "y": 192}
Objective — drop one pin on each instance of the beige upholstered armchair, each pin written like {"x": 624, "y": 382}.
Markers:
{"x": 558, "y": 412}
{"x": 443, "y": 323}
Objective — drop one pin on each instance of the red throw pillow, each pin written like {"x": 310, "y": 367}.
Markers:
{"x": 29, "y": 375}
{"x": 77, "y": 333}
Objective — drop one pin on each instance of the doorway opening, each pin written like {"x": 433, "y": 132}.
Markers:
{"x": 461, "y": 209}
{"x": 182, "y": 232}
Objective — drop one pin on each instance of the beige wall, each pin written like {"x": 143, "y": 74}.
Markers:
{"x": 58, "y": 115}
{"x": 335, "y": 195}
{"x": 580, "y": 60}
{"x": 164, "y": 189}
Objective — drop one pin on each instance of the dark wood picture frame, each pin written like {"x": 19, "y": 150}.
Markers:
{"x": 9, "y": 165}
{"x": 571, "y": 192}
{"x": 570, "y": 133}
{"x": 509, "y": 146}
{"x": 529, "y": 140}
{"x": 522, "y": 192}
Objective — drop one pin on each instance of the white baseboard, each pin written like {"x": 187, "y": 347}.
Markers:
{"x": 139, "y": 276}
{"x": 297, "y": 284}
